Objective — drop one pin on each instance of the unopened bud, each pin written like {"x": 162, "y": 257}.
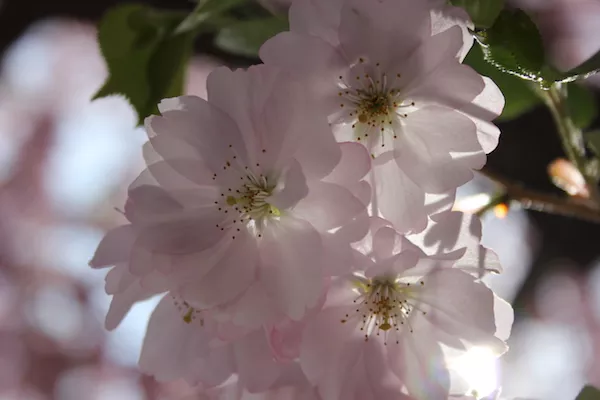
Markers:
{"x": 565, "y": 176}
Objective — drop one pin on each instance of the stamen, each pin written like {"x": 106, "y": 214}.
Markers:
{"x": 384, "y": 305}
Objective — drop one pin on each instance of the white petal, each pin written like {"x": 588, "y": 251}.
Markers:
{"x": 292, "y": 269}
{"x": 171, "y": 345}
{"x": 230, "y": 277}
{"x": 398, "y": 198}
{"x": 256, "y": 368}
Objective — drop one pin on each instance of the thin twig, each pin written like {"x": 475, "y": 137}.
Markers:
{"x": 548, "y": 203}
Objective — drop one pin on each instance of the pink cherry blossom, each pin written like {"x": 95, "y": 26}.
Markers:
{"x": 246, "y": 195}
{"x": 182, "y": 342}
{"x": 291, "y": 384}
{"x": 392, "y": 326}
{"x": 458, "y": 235}
{"x": 389, "y": 74}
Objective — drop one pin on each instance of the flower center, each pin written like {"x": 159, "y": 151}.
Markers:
{"x": 247, "y": 205}
{"x": 384, "y": 305}
{"x": 251, "y": 199}
{"x": 373, "y": 100}
{"x": 188, "y": 313}
{"x": 374, "y": 106}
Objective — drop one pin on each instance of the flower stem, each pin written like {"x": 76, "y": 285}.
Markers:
{"x": 570, "y": 136}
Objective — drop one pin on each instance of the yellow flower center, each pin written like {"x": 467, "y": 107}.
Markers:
{"x": 384, "y": 305}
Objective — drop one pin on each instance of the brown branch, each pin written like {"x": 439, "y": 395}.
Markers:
{"x": 531, "y": 199}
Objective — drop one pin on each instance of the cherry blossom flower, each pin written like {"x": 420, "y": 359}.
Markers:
{"x": 182, "y": 342}
{"x": 218, "y": 357}
{"x": 246, "y": 196}
{"x": 389, "y": 74}
{"x": 291, "y": 384}
{"x": 387, "y": 332}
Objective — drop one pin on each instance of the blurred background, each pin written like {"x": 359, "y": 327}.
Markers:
{"x": 65, "y": 163}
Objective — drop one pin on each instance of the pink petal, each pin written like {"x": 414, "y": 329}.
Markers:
{"x": 122, "y": 302}
{"x": 317, "y": 18}
{"x": 451, "y": 84}
{"x": 448, "y": 17}
{"x": 292, "y": 191}
{"x": 328, "y": 206}
{"x": 285, "y": 339}
{"x": 312, "y": 58}
{"x": 168, "y": 146}
{"x": 255, "y": 365}
{"x": 212, "y": 142}
{"x": 394, "y": 265}
{"x": 323, "y": 341}
{"x": 504, "y": 316}
{"x": 425, "y": 374}
{"x": 384, "y": 242}
{"x": 452, "y": 232}
{"x": 147, "y": 202}
{"x": 354, "y": 165}
{"x": 214, "y": 368}
{"x": 254, "y": 308}
{"x": 118, "y": 279}
{"x": 479, "y": 261}
{"x": 486, "y": 107}
{"x": 382, "y": 382}
{"x": 382, "y": 30}
{"x": 230, "y": 277}
{"x": 433, "y": 54}
{"x": 461, "y": 306}
{"x": 424, "y": 149}
{"x": 171, "y": 345}
{"x": 114, "y": 247}
{"x": 292, "y": 265}
{"x": 188, "y": 233}
{"x": 398, "y": 198}
{"x": 270, "y": 109}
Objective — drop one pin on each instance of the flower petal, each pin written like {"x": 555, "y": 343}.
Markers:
{"x": 322, "y": 341}
{"x": 328, "y": 206}
{"x": 114, "y": 247}
{"x": 292, "y": 265}
{"x": 354, "y": 165}
{"x": 425, "y": 374}
{"x": 230, "y": 277}
{"x": 292, "y": 190}
{"x": 213, "y": 368}
{"x": 371, "y": 29}
{"x": 424, "y": 149}
{"x": 485, "y": 107}
{"x": 218, "y": 131}
{"x": 317, "y": 18}
{"x": 122, "y": 302}
{"x": 398, "y": 198}
{"x": 255, "y": 365}
{"x": 171, "y": 345}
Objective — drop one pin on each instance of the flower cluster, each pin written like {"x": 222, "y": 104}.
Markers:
{"x": 298, "y": 223}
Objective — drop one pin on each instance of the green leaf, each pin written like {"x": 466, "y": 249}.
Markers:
{"x": 589, "y": 393}
{"x": 588, "y": 68}
{"x": 246, "y": 37}
{"x": 592, "y": 140}
{"x": 518, "y": 94}
{"x": 146, "y": 60}
{"x": 482, "y": 12}
{"x": 205, "y": 10}
{"x": 514, "y": 45}
{"x": 582, "y": 105}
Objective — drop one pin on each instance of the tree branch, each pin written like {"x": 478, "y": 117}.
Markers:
{"x": 531, "y": 199}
